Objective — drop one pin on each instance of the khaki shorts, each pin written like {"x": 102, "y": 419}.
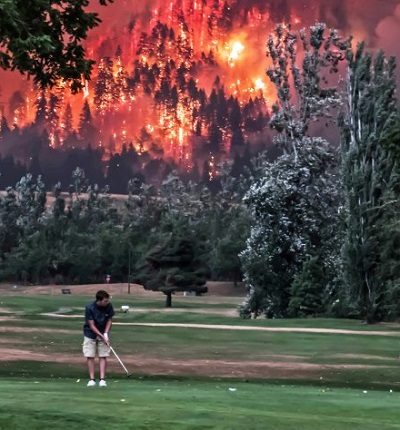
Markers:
{"x": 93, "y": 347}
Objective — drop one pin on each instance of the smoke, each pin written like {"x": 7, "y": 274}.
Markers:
{"x": 374, "y": 21}
{"x": 121, "y": 12}
{"x": 341, "y": 14}
{"x": 388, "y": 33}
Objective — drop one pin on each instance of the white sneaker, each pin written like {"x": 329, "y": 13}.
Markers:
{"x": 102, "y": 383}
{"x": 91, "y": 383}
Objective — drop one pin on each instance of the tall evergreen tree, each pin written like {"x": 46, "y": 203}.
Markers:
{"x": 68, "y": 127}
{"x": 172, "y": 266}
{"x": 53, "y": 118}
{"x": 86, "y": 129}
{"x": 4, "y": 128}
{"x": 105, "y": 95}
{"x": 17, "y": 108}
{"x": 41, "y": 109}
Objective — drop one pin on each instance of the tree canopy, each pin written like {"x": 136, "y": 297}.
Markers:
{"x": 43, "y": 39}
{"x": 295, "y": 202}
{"x": 173, "y": 266}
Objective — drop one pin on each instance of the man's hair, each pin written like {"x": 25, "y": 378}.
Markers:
{"x": 101, "y": 294}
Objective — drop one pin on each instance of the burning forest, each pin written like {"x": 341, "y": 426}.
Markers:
{"x": 183, "y": 81}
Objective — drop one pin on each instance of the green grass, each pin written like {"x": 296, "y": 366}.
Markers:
{"x": 46, "y": 394}
{"x": 147, "y": 404}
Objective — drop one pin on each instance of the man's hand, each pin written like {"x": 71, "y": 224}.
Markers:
{"x": 106, "y": 339}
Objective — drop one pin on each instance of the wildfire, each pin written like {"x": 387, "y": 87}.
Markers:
{"x": 259, "y": 84}
{"x": 165, "y": 81}
{"x": 234, "y": 54}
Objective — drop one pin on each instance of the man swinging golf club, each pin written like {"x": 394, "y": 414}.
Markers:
{"x": 98, "y": 321}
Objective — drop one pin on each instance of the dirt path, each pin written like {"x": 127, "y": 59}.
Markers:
{"x": 280, "y": 367}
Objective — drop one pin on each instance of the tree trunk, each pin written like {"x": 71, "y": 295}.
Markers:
{"x": 168, "y": 300}
{"x": 235, "y": 277}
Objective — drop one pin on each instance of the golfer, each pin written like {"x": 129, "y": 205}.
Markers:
{"x": 98, "y": 321}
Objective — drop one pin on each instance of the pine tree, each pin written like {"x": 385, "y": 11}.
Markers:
{"x": 17, "y": 108}
{"x": 173, "y": 265}
{"x": 86, "y": 129}
{"x": 105, "y": 96}
{"x": 53, "y": 118}
{"x": 68, "y": 121}
{"x": 120, "y": 89}
{"x": 4, "y": 128}
{"x": 41, "y": 109}
{"x": 225, "y": 21}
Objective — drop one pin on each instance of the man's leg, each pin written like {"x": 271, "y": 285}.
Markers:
{"x": 90, "y": 364}
{"x": 104, "y": 352}
{"x": 103, "y": 367}
{"x": 89, "y": 351}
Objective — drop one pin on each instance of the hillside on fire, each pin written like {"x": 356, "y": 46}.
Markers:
{"x": 177, "y": 85}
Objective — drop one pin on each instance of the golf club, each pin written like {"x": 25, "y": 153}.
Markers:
{"x": 120, "y": 362}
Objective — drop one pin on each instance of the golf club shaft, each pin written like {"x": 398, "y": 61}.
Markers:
{"x": 120, "y": 362}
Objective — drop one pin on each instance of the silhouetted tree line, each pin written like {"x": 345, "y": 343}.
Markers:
{"x": 33, "y": 154}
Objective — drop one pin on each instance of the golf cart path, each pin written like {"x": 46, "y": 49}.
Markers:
{"x": 273, "y": 329}
{"x": 57, "y": 314}
{"x": 245, "y": 328}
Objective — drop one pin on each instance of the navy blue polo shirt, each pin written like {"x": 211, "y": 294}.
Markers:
{"x": 100, "y": 315}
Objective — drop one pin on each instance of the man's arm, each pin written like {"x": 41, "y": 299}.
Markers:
{"x": 107, "y": 330}
{"x": 109, "y": 321}
{"x": 108, "y": 326}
